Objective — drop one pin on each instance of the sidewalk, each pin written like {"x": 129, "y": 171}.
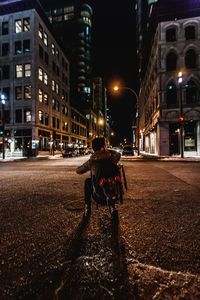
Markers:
{"x": 142, "y": 156}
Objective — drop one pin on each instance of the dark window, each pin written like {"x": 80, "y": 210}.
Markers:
{"x": 41, "y": 51}
{"x": 171, "y": 94}
{"x": 26, "y": 46}
{"x": 5, "y": 49}
{"x": 18, "y": 116}
{"x": 4, "y": 28}
{"x": 5, "y": 72}
{"x": 171, "y": 61}
{"x": 192, "y": 92}
{"x": 190, "y": 32}
{"x": 53, "y": 122}
{"x": 46, "y": 58}
{"x": 190, "y": 59}
{"x": 18, "y": 92}
{"x": 6, "y": 92}
{"x": 18, "y": 47}
{"x": 171, "y": 35}
{"x": 7, "y": 116}
{"x": 46, "y": 121}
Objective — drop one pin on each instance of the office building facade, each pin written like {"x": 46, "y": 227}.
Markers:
{"x": 34, "y": 77}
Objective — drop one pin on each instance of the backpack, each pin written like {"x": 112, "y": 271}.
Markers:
{"x": 107, "y": 183}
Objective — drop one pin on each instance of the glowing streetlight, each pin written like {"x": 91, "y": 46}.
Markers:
{"x": 181, "y": 117}
{"x": 116, "y": 88}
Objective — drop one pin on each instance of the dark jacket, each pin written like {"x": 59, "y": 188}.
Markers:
{"x": 98, "y": 155}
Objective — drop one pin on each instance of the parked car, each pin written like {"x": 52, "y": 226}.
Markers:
{"x": 128, "y": 150}
{"x": 68, "y": 152}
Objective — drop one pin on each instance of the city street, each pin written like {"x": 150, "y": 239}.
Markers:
{"x": 49, "y": 251}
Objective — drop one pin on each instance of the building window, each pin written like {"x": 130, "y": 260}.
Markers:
{"x": 5, "y": 49}
{"x": 46, "y": 99}
{"x": 171, "y": 61}
{"x": 190, "y": 59}
{"x": 27, "y": 92}
{"x": 5, "y": 28}
{"x": 18, "y": 26}
{"x": 41, "y": 52}
{"x": 18, "y": 47}
{"x": 53, "y": 122}
{"x": 46, "y": 58}
{"x": 18, "y": 116}
{"x": 40, "y": 74}
{"x": 58, "y": 124}
{"x": 18, "y": 92}
{"x": 26, "y": 46}
{"x": 27, "y": 115}
{"x": 27, "y": 70}
{"x": 171, "y": 35}
{"x": 19, "y": 71}
{"x": 53, "y": 49}
{"x": 192, "y": 92}
{"x": 171, "y": 94}
{"x": 40, "y": 32}
{"x": 41, "y": 116}
{"x": 45, "y": 78}
{"x": 53, "y": 85}
{"x": 45, "y": 39}
{"x": 190, "y": 137}
{"x": 26, "y": 24}
{"x": 46, "y": 119}
{"x": 40, "y": 95}
{"x": 190, "y": 32}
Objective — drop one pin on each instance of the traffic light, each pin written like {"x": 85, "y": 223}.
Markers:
{"x": 181, "y": 119}
{"x": 1, "y": 130}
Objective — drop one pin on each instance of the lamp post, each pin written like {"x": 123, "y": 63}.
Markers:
{"x": 117, "y": 88}
{"x": 181, "y": 117}
{"x": 3, "y": 124}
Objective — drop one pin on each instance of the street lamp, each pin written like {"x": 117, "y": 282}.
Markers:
{"x": 3, "y": 124}
{"x": 116, "y": 89}
{"x": 181, "y": 117}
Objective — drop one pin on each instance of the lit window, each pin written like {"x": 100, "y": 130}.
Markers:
{"x": 46, "y": 101}
{"x": 40, "y": 32}
{"x": 27, "y": 92}
{"x": 53, "y": 85}
{"x": 40, "y": 74}
{"x": 27, "y": 70}
{"x": 18, "y": 26}
{"x": 53, "y": 49}
{"x": 45, "y": 39}
{"x": 19, "y": 71}
{"x": 45, "y": 78}
{"x": 41, "y": 117}
{"x": 27, "y": 115}
{"x": 26, "y": 24}
{"x": 40, "y": 95}
{"x": 57, "y": 88}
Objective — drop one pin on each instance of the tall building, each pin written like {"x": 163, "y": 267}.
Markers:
{"x": 168, "y": 53}
{"x": 72, "y": 23}
{"x": 34, "y": 79}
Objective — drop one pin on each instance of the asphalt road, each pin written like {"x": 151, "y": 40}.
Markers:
{"x": 48, "y": 251}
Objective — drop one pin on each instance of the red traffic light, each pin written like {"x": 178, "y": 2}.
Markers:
{"x": 181, "y": 119}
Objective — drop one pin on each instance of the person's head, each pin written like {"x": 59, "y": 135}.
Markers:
{"x": 98, "y": 143}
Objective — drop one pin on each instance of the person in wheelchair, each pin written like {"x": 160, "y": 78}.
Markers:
{"x": 101, "y": 157}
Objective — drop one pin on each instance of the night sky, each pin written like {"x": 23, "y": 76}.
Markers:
{"x": 114, "y": 58}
